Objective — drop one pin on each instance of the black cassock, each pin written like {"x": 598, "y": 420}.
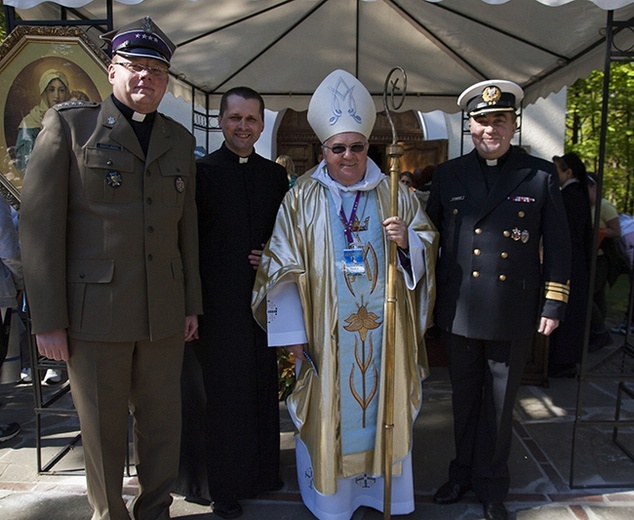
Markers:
{"x": 230, "y": 445}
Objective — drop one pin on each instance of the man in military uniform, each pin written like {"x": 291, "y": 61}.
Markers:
{"x": 492, "y": 208}
{"x": 109, "y": 237}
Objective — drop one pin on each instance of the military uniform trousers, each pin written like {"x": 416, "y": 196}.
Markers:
{"x": 485, "y": 377}
{"x": 108, "y": 380}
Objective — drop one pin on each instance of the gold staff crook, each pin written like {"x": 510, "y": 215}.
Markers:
{"x": 395, "y": 152}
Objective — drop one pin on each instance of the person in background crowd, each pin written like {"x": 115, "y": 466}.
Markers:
{"x": 609, "y": 230}
{"x": 287, "y": 162}
{"x": 320, "y": 292}
{"x": 566, "y": 342}
{"x": 406, "y": 179}
{"x": 494, "y": 208}
{"x": 627, "y": 237}
{"x": 11, "y": 288}
{"x": 109, "y": 239}
{"x": 238, "y": 195}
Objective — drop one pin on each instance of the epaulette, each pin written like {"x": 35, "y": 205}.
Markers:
{"x": 75, "y": 104}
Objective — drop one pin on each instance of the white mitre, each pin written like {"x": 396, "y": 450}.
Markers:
{"x": 341, "y": 104}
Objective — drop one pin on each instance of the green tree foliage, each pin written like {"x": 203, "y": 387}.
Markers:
{"x": 583, "y": 130}
{"x": 3, "y": 23}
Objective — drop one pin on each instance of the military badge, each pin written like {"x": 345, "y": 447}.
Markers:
{"x": 516, "y": 234}
{"x": 491, "y": 94}
{"x": 111, "y": 120}
{"x": 114, "y": 179}
{"x": 179, "y": 183}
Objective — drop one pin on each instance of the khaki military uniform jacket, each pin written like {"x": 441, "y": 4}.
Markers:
{"x": 109, "y": 236}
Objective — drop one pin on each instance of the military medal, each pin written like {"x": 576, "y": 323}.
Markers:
{"x": 114, "y": 179}
{"x": 179, "y": 184}
{"x": 518, "y": 235}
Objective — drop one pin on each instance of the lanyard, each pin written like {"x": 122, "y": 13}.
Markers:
{"x": 347, "y": 223}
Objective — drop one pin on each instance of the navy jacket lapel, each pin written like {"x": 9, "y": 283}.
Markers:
{"x": 511, "y": 176}
{"x": 471, "y": 180}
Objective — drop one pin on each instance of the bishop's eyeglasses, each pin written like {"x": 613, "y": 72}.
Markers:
{"x": 341, "y": 148}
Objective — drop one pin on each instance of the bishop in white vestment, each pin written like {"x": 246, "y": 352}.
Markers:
{"x": 320, "y": 292}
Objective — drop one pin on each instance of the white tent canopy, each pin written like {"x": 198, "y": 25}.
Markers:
{"x": 284, "y": 48}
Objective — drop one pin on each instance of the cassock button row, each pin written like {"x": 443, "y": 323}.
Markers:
{"x": 150, "y": 229}
{"x": 150, "y": 258}
{"x": 502, "y": 277}
{"x": 504, "y": 254}
{"x": 149, "y": 200}
{"x": 148, "y": 173}
{"x": 475, "y": 274}
{"x": 477, "y": 252}
{"x": 506, "y": 233}
{"x": 478, "y": 231}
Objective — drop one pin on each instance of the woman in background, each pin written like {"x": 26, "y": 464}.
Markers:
{"x": 566, "y": 342}
{"x": 287, "y": 162}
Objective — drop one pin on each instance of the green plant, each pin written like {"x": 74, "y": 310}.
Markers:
{"x": 286, "y": 373}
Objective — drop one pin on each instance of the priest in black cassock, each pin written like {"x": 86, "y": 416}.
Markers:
{"x": 230, "y": 376}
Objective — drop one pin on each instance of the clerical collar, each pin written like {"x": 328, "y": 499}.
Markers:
{"x": 132, "y": 115}
{"x": 494, "y": 162}
{"x": 235, "y": 157}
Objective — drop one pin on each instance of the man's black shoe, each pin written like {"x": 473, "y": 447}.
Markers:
{"x": 194, "y": 499}
{"x": 495, "y": 511}
{"x": 449, "y": 493}
{"x": 227, "y": 508}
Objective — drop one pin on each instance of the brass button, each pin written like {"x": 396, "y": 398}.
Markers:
{"x": 521, "y": 214}
{"x": 504, "y": 254}
{"x": 477, "y": 252}
{"x": 478, "y": 231}
{"x": 455, "y": 211}
{"x": 475, "y": 274}
{"x": 502, "y": 277}
{"x": 507, "y": 233}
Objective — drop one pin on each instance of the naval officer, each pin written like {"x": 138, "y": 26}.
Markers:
{"x": 493, "y": 208}
{"x": 109, "y": 237}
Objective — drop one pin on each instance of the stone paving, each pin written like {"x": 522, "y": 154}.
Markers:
{"x": 602, "y": 481}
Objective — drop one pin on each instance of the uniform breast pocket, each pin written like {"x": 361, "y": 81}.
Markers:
{"x": 108, "y": 175}
{"x": 175, "y": 179}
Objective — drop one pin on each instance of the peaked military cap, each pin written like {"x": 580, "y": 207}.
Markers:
{"x": 141, "y": 39}
{"x": 494, "y": 95}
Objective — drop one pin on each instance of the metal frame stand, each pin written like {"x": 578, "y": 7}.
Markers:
{"x": 618, "y": 366}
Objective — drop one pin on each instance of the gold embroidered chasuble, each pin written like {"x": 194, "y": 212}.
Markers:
{"x": 301, "y": 247}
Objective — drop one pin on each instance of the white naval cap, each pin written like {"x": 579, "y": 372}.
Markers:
{"x": 493, "y": 95}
